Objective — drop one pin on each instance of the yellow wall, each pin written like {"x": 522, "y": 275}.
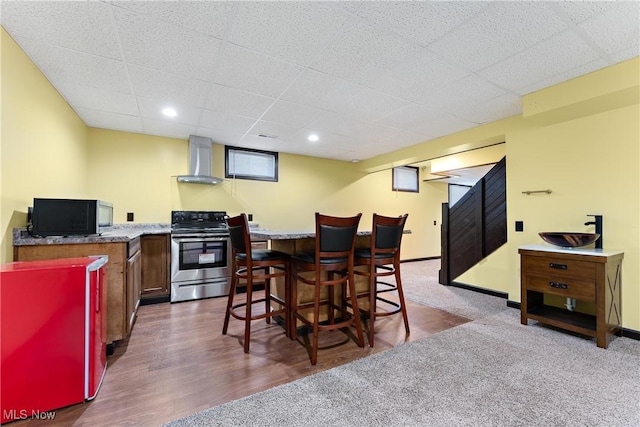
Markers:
{"x": 43, "y": 145}
{"x": 136, "y": 173}
{"x": 591, "y": 164}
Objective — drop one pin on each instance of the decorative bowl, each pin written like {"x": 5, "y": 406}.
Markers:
{"x": 569, "y": 240}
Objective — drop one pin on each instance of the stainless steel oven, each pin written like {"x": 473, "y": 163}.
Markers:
{"x": 200, "y": 255}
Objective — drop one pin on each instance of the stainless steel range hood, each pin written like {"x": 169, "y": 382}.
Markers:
{"x": 199, "y": 162}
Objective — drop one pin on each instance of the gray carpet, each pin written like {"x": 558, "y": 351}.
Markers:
{"x": 420, "y": 284}
{"x": 488, "y": 372}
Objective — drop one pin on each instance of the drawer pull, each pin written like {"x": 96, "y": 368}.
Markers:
{"x": 558, "y": 285}
{"x": 558, "y": 266}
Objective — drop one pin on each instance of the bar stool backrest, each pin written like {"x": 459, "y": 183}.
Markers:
{"x": 335, "y": 236}
{"x": 238, "y": 227}
{"x": 388, "y": 232}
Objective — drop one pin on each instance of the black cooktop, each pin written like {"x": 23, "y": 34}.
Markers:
{"x": 198, "y": 220}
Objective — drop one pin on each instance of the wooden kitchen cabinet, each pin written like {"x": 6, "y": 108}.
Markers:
{"x": 587, "y": 275}
{"x": 155, "y": 267}
{"x": 134, "y": 281}
{"x": 122, "y": 276}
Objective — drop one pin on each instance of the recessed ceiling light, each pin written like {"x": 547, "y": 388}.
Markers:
{"x": 313, "y": 137}
{"x": 355, "y": 161}
{"x": 169, "y": 112}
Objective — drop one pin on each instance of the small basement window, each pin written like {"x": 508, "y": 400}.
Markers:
{"x": 405, "y": 178}
{"x": 243, "y": 163}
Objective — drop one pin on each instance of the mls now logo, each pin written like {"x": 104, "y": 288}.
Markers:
{"x": 23, "y": 414}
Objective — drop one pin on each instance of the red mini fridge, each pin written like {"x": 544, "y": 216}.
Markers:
{"x": 52, "y": 334}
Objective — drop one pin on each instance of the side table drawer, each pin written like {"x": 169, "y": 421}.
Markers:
{"x": 560, "y": 268}
{"x": 583, "y": 290}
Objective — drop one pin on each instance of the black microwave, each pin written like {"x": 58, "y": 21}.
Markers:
{"x": 70, "y": 217}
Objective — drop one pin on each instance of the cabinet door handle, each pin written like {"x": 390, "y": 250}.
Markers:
{"x": 558, "y": 285}
{"x": 558, "y": 266}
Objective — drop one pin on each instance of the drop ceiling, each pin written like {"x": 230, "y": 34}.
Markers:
{"x": 367, "y": 77}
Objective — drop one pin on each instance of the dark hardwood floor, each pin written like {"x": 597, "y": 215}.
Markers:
{"x": 176, "y": 362}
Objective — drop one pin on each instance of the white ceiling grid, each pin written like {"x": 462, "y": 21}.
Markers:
{"x": 368, "y": 77}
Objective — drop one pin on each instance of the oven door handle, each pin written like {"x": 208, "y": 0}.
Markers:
{"x": 199, "y": 239}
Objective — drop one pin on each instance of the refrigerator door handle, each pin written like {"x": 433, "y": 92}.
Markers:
{"x": 98, "y": 293}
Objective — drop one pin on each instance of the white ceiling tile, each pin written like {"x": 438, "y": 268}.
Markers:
{"x": 210, "y": 18}
{"x": 329, "y": 151}
{"x": 314, "y": 89}
{"x": 416, "y": 79}
{"x": 362, "y": 52}
{"x": 107, "y": 120}
{"x": 351, "y": 6}
{"x": 561, "y": 77}
{"x": 62, "y": 65}
{"x": 292, "y": 114}
{"x": 219, "y": 136}
{"x": 367, "y": 150}
{"x": 99, "y": 99}
{"x": 442, "y": 124}
{"x": 363, "y": 103}
{"x": 616, "y": 30}
{"x": 325, "y": 139}
{"x": 168, "y": 129}
{"x": 226, "y": 122}
{"x": 555, "y": 55}
{"x": 233, "y": 101}
{"x": 499, "y": 31}
{"x": 292, "y": 31}
{"x": 152, "y": 109}
{"x": 278, "y": 130}
{"x": 404, "y": 139}
{"x": 506, "y": 105}
{"x": 258, "y": 143}
{"x": 375, "y": 132}
{"x": 579, "y": 11}
{"x": 340, "y": 124}
{"x": 623, "y": 55}
{"x": 383, "y": 76}
{"x": 250, "y": 71}
{"x": 170, "y": 87}
{"x": 82, "y": 26}
{"x": 406, "y": 118}
{"x": 471, "y": 90}
{"x": 422, "y": 21}
{"x": 155, "y": 44}
{"x": 423, "y": 121}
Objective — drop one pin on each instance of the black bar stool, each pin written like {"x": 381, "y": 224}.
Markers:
{"x": 334, "y": 252}
{"x": 255, "y": 266}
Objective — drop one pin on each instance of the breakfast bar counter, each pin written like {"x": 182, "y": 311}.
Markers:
{"x": 294, "y": 242}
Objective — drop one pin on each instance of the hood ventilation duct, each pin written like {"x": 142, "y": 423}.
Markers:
{"x": 200, "y": 150}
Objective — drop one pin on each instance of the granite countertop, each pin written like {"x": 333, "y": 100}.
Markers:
{"x": 128, "y": 232}
{"x": 265, "y": 234}
{"x": 576, "y": 251}
{"x": 117, "y": 233}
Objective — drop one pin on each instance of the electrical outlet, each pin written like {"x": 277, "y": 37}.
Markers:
{"x": 129, "y": 216}
{"x": 250, "y": 217}
{"x": 519, "y": 226}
